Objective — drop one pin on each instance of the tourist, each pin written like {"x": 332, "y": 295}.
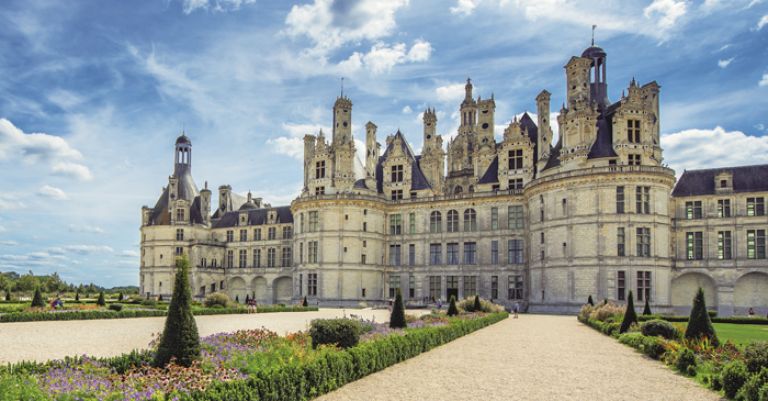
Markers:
{"x": 751, "y": 312}
{"x": 516, "y": 309}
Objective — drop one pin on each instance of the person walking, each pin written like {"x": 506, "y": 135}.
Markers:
{"x": 516, "y": 308}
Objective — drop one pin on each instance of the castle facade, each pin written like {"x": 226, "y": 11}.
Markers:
{"x": 518, "y": 220}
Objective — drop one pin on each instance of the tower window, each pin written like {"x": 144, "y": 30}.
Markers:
{"x": 180, "y": 214}
{"x": 634, "y": 159}
{"x": 397, "y": 173}
{"x": 633, "y": 131}
{"x": 320, "y": 169}
{"x": 320, "y": 191}
{"x": 180, "y": 234}
{"x": 516, "y": 159}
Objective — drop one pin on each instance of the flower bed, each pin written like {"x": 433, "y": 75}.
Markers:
{"x": 47, "y": 315}
{"x": 733, "y": 319}
{"x": 245, "y": 365}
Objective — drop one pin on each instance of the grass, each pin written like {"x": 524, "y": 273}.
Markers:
{"x": 741, "y": 334}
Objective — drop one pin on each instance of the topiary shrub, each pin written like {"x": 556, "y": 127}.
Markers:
{"x": 77, "y": 296}
{"x": 452, "y": 309}
{"x": 180, "y": 340}
{"x": 7, "y": 296}
{"x": 344, "y": 333}
{"x": 756, "y": 356}
{"x": 116, "y": 307}
{"x": 647, "y": 308}
{"x": 699, "y": 325}
{"x": 149, "y": 303}
{"x": 101, "y": 301}
{"x": 476, "y": 305}
{"x": 37, "y": 299}
{"x": 658, "y": 327}
{"x": 217, "y": 299}
{"x": 120, "y": 297}
{"x": 630, "y": 316}
{"x": 468, "y": 305}
{"x": 305, "y": 303}
{"x": 733, "y": 378}
{"x": 247, "y": 299}
{"x": 684, "y": 359}
{"x": 590, "y": 301}
{"x": 397, "y": 318}
{"x": 750, "y": 391}
{"x": 651, "y": 346}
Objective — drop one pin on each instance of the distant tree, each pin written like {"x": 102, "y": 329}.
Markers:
{"x": 647, "y": 308}
{"x": 180, "y": 339}
{"x": 630, "y": 316}
{"x": 237, "y": 298}
{"x": 590, "y": 301}
{"x": 77, "y": 296}
{"x": 452, "y": 309}
{"x": 305, "y": 303}
{"x": 397, "y": 318}
{"x": 101, "y": 301}
{"x": 37, "y": 299}
{"x": 120, "y": 296}
{"x": 476, "y": 307}
{"x": 7, "y": 295}
{"x": 699, "y": 324}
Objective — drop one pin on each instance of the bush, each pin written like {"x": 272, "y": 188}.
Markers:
{"x": 651, "y": 346}
{"x": 699, "y": 324}
{"x": 756, "y": 356}
{"x": 77, "y": 296}
{"x": 476, "y": 305}
{"x": 219, "y": 299}
{"x": 149, "y": 302}
{"x": 7, "y": 296}
{"x": 101, "y": 301}
{"x": 120, "y": 297}
{"x": 116, "y": 307}
{"x": 733, "y": 377}
{"x": 486, "y": 306}
{"x": 37, "y": 299}
{"x": 397, "y": 318}
{"x": 452, "y": 310}
{"x": 762, "y": 395}
{"x": 684, "y": 359}
{"x": 750, "y": 391}
{"x": 630, "y": 316}
{"x": 647, "y": 308}
{"x": 606, "y": 311}
{"x": 344, "y": 333}
{"x": 180, "y": 340}
{"x": 661, "y": 328}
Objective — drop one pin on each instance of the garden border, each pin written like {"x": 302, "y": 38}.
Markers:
{"x": 16, "y": 317}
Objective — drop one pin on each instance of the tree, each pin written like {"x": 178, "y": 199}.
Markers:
{"x": 397, "y": 318}
{"x": 476, "y": 306}
{"x": 120, "y": 296}
{"x": 160, "y": 297}
{"x": 77, "y": 296}
{"x": 180, "y": 340}
{"x": 101, "y": 301}
{"x": 37, "y": 299}
{"x": 699, "y": 324}
{"x": 630, "y": 316}
{"x": 590, "y": 301}
{"x": 647, "y": 308}
{"x": 305, "y": 303}
{"x": 452, "y": 309}
{"x": 237, "y": 298}
{"x": 247, "y": 299}
{"x": 7, "y": 295}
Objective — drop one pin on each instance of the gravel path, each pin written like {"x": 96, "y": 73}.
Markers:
{"x": 41, "y": 341}
{"x": 535, "y": 357}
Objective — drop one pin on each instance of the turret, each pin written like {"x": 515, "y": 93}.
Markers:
{"x": 371, "y": 150}
{"x": 577, "y": 81}
{"x": 205, "y": 204}
{"x": 342, "y": 121}
{"x": 430, "y": 126}
{"x": 309, "y": 155}
{"x": 468, "y": 111}
{"x": 544, "y": 140}
{"x": 183, "y": 155}
{"x": 225, "y": 198}
{"x": 485, "y": 121}
{"x": 598, "y": 87}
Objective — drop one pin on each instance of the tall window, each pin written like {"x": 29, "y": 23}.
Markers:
{"x": 435, "y": 287}
{"x": 179, "y": 214}
{"x": 313, "y": 221}
{"x": 271, "y": 233}
{"x": 633, "y": 159}
{"x": 452, "y": 285}
{"x": 394, "y": 285}
{"x": 470, "y": 286}
{"x": 411, "y": 254}
{"x": 243, "y": 258}
{"x": 516, "y": 159}
{"x": 397, "y": 173}
{"x": 755, "y": 206}
{"x": 723, "y": 208}
{"x": 411, "y": 286}
{"x": 179, "y": 234}
{"x": 230, "y": 235}
{"x": 644, "y": 242}
{"x": 620, "y": 199}
{"x": 230, "y": 258}
{"x": 724, "y": 245}
{"x": 287, "y": 232}
{"x": 271, "y": 257}
{"x": 312, "y": 251}
{"x": 257, "y": 258}
{"x": 470, "y": 220}
{"x": 320, "y": 169}
{"x": 453, "y": 253}
{"x": 257, "y": 234}
{"x": 395, "y": 224}
{"x": 494, "y": 252}
{"x": 515, "y": 217}
{"x": 453, "y": 221}
{"x": 494, "y": 218}
{"x": 470, "y": 253}
{"x": 243, "y": 235}
{"x": 435, "y": 222}
{"x": 515, "y": 287}
{"x": 694, "y": 244}
{"x": 397, "y": 194}
{"x": 692, "y": 210}
{"x": 179, "y": 251}
{"x": 411, "y": 223}
{"x": 394, "y": 255}
{"x": 643, "y": 200}
{"x": 621, "y": 285}
{"x": 633, "y": 131}
{"x": 435, "y": 252}
{"x": 494, "y": 287}
{"x": 285, "y": 257}
{"x": 515, "y": 251}
{"x": 756, "y": 244}
{"x": 620, "y": 242}
{"x": 516, "y": 183}
{"x": 312, "y": 284}
{"x": 643, "y": 285}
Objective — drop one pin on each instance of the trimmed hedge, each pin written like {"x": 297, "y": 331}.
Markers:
{"x": 344, "y": 333}
{"x": 333, "y": 369}
{"x": 683, "y": 319}
{"x": 651, "y": 346}
{"x": 658, "y": 327}
{"x": 128, "y": 313}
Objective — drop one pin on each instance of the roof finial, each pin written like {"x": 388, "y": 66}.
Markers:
{"x": 593, "y": 34}
{"x": 342, "y": 86}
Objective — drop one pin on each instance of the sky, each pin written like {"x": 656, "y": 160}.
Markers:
{"x": 93, "y": 95}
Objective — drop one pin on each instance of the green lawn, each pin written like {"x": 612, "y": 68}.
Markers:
{"x": 741, "y": 333}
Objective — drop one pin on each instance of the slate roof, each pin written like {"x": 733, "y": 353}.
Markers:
{"x": 418, "y": 180}
{"x": 187, "y": 190}
{"x": 255, "y": 217}
{"x": 603, "y": 146}
{"x": 554, "y": 155}
{"x": 492, "y": 174}
{"x": 702, "y": 182}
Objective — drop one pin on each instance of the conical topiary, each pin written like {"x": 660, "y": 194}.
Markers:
{"x": 77, "y": 296}
{"x": 237, "y": 299}
{"x": 590, "y": 301}
{"x": 180, "y": 340}
{"x": 397, "y": 319}
{"x": 629, "y": 316}
{"x": 160, "y": 298}
{"x": 305, "y": 303}
{"x": 37, "y": 299}
{"x": 476, "y": 307}
{"x": 101, "y": 301}
{"x": 8, "y": 295}
{"x": 647, "y": 308}
{"x": 120, "y": 296}
{"x": 452, "y": 309}
{"x": 247, "y": 299}
{"x": 699, "y": 324}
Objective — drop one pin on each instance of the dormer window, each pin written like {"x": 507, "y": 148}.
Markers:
{"x": 634, "y": 160}
{"x": 320, "y": 191}
{"x": 179, "y": 214}
{"x": 633, "y": 131}
{"x": 320, "y": 169}
{"x": 397, "y": 173}
{"x": 516, "y": 159}
{"x": 723, "y": 183}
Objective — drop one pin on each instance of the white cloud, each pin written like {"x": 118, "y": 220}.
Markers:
{"x": 10, "y": 202}
{"x": 52, "y": 192}
{"x": 668, "y": 11}
{"x": 64, "y": 99}
{"x": 85, "y": 249}
{"x": 41, "y": 148}
{"x": 763, "y": 22}
{"x": 407, "y": 110}
{"x": 129, "y": 253}
{"x": 8, "y": 243}
{"x": 293, "y": 147}
{"x": 764, "y": 80}
{"x": 724, "y": 63}
{"x": 299, "y": 130}
{"x": 382, "y": 57}
{"x": 704, "y": 148}
{"x": 450, "y": 93}
{"x": 190, "y": 6}
{"x": 3, "y": 229}
{"x": 464, "y": 7}
{"x": 76, "y": 228}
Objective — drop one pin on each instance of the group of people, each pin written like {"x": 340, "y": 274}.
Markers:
{"x": 252, "y": 306}
{"x": 57, "y": 303}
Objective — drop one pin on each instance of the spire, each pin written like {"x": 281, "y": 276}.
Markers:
{"x": 593, "y": 34}
{"x": 468, "y": 89}
{"x": 342, "y": 86}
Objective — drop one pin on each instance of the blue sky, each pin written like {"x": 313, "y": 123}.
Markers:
{"x": 93, "y": 94}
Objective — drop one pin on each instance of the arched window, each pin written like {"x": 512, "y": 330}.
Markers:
{"x": 435, "y": 222}
{"x": 453, "y": 221}
{"x": 457, "y": 190}
{"x": 470, "y": 220}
